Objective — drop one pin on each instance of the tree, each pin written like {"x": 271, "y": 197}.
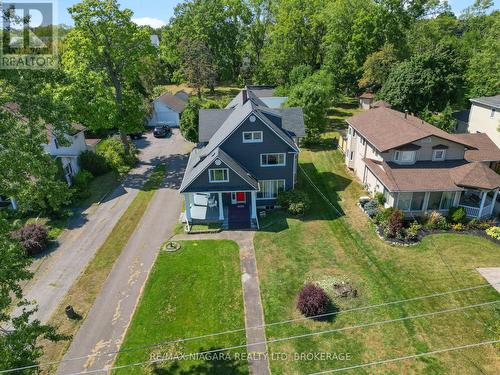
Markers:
{"x": 315, "y": 95}
{"x": 108, "y": 57}
{"x": 377, "y": 67}
{"x": 197, "y": 64}
{"x": 260, "y": 23}
{"x": 20, "y": 335}
{"x": 190, "y": 116}
{"x": 431, "y": 80}
{"x": 27, "y": 173}
{"x": 483, "y": 72}
{"x": 443, "y": 120}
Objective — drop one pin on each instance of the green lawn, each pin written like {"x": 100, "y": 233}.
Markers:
{"x": 99, "y": 187}
{"x": 195, "y": 291}
{"x": 324, "y": 247}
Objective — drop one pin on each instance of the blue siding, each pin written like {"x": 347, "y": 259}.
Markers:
{"x": 248, "y": 154}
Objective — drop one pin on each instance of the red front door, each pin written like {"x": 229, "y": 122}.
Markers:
{"x": 240, "y": 197}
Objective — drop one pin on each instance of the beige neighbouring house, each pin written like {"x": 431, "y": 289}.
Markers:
{"x": 420, "y": 168}
{"x": 366, "y": 100}
{"x": 484, "y": 117}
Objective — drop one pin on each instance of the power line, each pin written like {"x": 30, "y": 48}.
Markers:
{"x": 391, "y": 360}
{"x": 194, "y": 355}
{"x": 362, "y": 308}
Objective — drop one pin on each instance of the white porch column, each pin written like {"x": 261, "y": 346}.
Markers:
{"x": 493, "y": 202}
{"x": 254, "y": 205}
{"x": 426, "y": 201}
{"x": 188, "y": 207}
{"x": 456, "y": 202}
{"x": 221, "y": 208}
{"x": 483, "y": 199}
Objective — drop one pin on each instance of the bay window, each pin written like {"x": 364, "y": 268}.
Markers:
{"x": 269, "y": 189}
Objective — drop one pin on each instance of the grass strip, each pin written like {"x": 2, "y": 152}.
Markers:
{"x": 85, "y": 289}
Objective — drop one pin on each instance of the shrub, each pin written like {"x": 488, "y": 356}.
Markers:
{"x": 33, "y": 238}
{"x": 371, "y": 208}
{"x": 312, "y": 300}
{"x": 458, "y": 227}
{"x": 383, "y": 215}
{"x": 395, "y": 223}
{"x": 482, "y": 225}
{"x": 297, "y": 202}
{"x": 380, "y": 198}
{"x": 493, "y": 232}
{"x": 82, "y": 179}
{"x": 457, "y": 215}
{"x": 435, "y": 220}
{"x": 93, "y": 162}
{"x": 412, "y": 231}
{"x": 113, "y": 151}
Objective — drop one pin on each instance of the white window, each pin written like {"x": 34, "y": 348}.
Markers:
{"x": 404, "y": 157}
{"x": 439, "y": 155}
{"x": 352, "y": 155}
{"x": 68, "y": 169}
{"x": 252, "y": 137}
{"x": 363, "y": 141}
{"x": 272, "y": 160}
{"x": 269, "y": 189}
{"x": 218, "y": 175}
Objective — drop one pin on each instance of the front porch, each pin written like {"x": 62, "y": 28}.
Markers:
{"x": 478, "y": 204}
{"x": 234, "y": 210}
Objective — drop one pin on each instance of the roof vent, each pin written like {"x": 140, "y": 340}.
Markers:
{"x": 244, "y": 95}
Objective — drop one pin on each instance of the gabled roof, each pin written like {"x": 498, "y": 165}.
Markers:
{"x": 244, "y": 96}
{"x": 386, "y": 129}
{"x": 489, "y": 101}
{"x": 182, "y": 95}
{"x": 366, "y": 95}
{"x": 173, "y": 102}
{"x": 292, "y": 119}
{"x": 262, "y": 91}
{"x": 209, "y": 121}
{"x": 485, "y": 148}
{"x": 197, "y": 165}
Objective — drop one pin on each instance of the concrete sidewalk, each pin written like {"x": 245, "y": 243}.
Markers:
{"x": 254, "y": 315}
{"x": 492, "y": 275}
{"x": 55, "y": 272}
{"x": 108, "y": 320}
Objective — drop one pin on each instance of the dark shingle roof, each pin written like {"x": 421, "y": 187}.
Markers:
{"x": 486, "y": 149}
{"x": 173, "y": 102}
{"x": 197, "y": 165}
{"x": 490, "y": 101}
{"x": 462, "y": 115}
{"x": 209, "y": 121}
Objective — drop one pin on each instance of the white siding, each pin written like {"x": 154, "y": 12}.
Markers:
{"x": 482, "y": 121}
{"x": 75, "y": 147}
{"x": 163, "y": 115}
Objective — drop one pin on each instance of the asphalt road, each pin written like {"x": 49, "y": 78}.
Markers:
{"x": 54, "y": 273}
{"x": 107, "y": 322}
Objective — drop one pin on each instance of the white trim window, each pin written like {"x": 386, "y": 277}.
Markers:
{"x": 404, "y": 157}
{"x": 439, "y": 155}
{"x": 269, "y": 189}
{"x": 218, "y": 175}
{"x": 273, "y": 160}
{"x": 252, "y": 137}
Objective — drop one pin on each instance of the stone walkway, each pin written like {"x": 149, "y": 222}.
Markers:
{"x": 254, "y": 315}
{"x": 492, "y": 275}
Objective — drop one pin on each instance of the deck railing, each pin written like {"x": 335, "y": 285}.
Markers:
{"x": 474, "y": 211}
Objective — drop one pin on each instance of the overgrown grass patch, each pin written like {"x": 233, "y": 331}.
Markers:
{"x": 85, "y": 289}
{"x": 195, "y": 291}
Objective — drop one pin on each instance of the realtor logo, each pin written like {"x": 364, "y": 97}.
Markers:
{"x": 28, "y": 34}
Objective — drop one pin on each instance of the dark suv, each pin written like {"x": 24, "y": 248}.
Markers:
{"x": 161, "y": 131}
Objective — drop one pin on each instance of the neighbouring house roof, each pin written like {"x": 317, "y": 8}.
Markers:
{"x": 489, "y": 101}
{"x": 462, "y": 116}
{"x": 244, "y": 96}
{"x": 173, "y": 102}
{"x": 485, "y": 148}
{"x": 380, "y": 103}
{"x": 366, "y": 95}
{"x": 92, "y": 141}
{"x": 182, "y": 95}
{"x": 476, "y": 175}
{"x": 262, "y": 91}
{"x": 386, "y": 129}
{"x": 450, "y": 175}
{"x": 409, "y": 147}
{"x": 198, "y": 164}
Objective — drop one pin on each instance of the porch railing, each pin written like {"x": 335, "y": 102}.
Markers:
{"x": 474, "y": 211}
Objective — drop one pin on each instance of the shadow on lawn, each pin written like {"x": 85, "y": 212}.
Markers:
{"x": 228, "y": 366}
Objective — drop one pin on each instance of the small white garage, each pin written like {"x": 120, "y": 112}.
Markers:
{"x": 167, "y": 109}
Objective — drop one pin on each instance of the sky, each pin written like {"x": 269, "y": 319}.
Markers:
{"x": 158, "y": 12}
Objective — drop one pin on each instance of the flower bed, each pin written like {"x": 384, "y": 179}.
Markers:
{"x": 394, "y": 228}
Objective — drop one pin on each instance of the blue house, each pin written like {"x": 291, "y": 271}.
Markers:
{"x": 247, "y": 154}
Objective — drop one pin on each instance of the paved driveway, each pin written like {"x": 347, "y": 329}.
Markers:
{"x": 107, "y": 321}
{"x": 57, "y": 271}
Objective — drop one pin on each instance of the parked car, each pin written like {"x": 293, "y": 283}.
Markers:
{"x": 161, "y": 131}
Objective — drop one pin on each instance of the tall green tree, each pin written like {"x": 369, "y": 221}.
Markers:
{"x": 314, "y": 95}
{"x": 431, "y": 80}
{"x": 197, "y": 64}
{"x": 377, "y": 67}
{"x": 19, "y": 335}
{"x": 108, "y": 56}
